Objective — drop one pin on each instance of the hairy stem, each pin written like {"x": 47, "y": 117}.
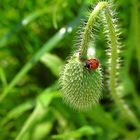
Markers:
{"x": 113, "y": 70}
{"x": 87, "y": 31}
{"x": 113, "y": 39}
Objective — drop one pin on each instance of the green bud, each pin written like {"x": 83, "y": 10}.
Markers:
{"x": 81, "y": 87}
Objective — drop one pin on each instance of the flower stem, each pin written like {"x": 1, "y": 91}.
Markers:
{"x": 113, "y": 70}
{"x": 114, "y": 46}
{"x": 87, "y": 31}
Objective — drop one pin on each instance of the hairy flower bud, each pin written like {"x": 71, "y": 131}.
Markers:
{"x": 81, "y": 87}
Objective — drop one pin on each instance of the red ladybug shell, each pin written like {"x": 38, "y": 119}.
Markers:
{"x": 92, "y": 64}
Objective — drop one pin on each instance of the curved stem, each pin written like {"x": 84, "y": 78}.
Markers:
{"x": 87, "y": 31}
{"x": 113, "y": 39}
{"x": 113, "y": 70}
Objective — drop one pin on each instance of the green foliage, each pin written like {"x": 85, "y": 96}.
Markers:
{"x": 35, "y": 39}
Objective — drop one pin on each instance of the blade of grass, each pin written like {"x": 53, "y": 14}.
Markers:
{"x": 40, "y": 110}
{"x": 135, "y": 29}
{"x": 85, "y": 130}
{"x": 49, "y": 45}
{"x": 132, "y": 44}
{"x": 31, "y": 17}
{"x": 53, "y": 62}
{"x": 3, "y": 78}
{"x": 130, "y": 88}
{"x": 43, "y": 129}
{"x": 17, "y": 111}
{"x": 102, "y": 118}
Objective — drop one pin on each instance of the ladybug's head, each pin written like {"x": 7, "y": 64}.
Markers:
{"x": 92, "y": 64}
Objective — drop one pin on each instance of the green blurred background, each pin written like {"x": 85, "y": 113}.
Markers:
{"x": 36, "y": 37}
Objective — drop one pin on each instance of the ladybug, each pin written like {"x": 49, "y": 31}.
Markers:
{"x": 92, "y": 64}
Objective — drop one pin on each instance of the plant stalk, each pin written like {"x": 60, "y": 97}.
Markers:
{"x": 113, "y": 38}
{"x": 87, "y": 31}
